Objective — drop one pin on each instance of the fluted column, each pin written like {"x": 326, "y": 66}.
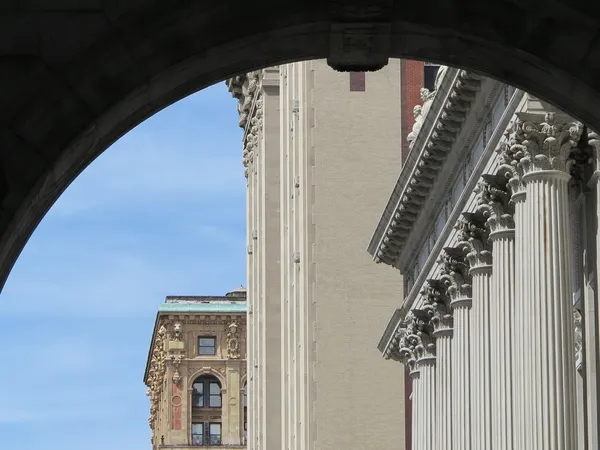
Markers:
{"x": 420, "y": 332}
{"x": 416, "y": 435}
{"x": 414, "y": 347}
{"x": 494, "y": 203}
{"x": 474, "y": 240}
{"x": 436, "y": 304}
{"x": 458, "y": 288}
{"x": 510, "y": 153}
{"x": 550, "y": 346}
{"x": 591, "y": 316}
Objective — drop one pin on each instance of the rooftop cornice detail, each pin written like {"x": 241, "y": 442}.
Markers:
{"x": 434, "y": 141}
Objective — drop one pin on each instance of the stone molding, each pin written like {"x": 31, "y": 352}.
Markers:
{"x": 433, "y": 152}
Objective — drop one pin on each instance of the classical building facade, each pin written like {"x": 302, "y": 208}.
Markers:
{"x": 493, "y": 224}
{"x": 315, "y": 301}
{"x": 196, "y": 372}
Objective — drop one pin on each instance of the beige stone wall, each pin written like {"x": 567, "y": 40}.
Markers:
{"x": 318, "y": 175}
{"x": 229, "y": 371}
{"x": 356, "y": 142}
{"x": 340, "y": 152}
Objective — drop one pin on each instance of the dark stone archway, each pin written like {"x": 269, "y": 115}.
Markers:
{"x": 78, "y": 74}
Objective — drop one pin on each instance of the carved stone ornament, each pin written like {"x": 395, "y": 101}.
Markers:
{"x": 473, "y": 239}
{"x": 156, "y": 375}
{"x": 455, "y": 273}
{"x": 493, "y": 200}
{"x": 548, "y": 143}
{"x": 233, "y": 340}
{"x": 422, "y": 327}
{"x": 578, "y": 339}
{"x": 437, "y": 305}
{"x": 177, "y": 331}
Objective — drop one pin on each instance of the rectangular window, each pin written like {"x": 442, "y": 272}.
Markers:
{"x": 207, "y": 345}
{"x": 198, "y": 433}
{"x": 357, "y": 81}
{"x": 429, "y": 74}
{"x": 215, "y": 434}
{"x": 215, "y": 395}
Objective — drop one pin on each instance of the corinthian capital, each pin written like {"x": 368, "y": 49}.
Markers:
{"x": 436, "y": 304}
{"x": 548, "y": 142}
{"x": 419, "y": 335}
{"x": 473, "y": 239}
{"x": 455, "y": 273}
{"x": 494, "y": 203}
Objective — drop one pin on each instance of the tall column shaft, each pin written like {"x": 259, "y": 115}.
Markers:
{"x": 480, "y": 359}
{"x": 501, "y": 305}
{"x": 519, "y": 320}
{"x": 426, "y": 406}
{"x": 443, "y": 390}
{"x": 550, "y": 346}
{"x": 416, "y": 400}
{"x": 461, "y": 376}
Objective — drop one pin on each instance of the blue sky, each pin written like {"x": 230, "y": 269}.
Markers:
{"x": 161, "y": 212}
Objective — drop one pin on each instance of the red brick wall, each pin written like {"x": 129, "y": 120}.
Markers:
{"x": 411, "y": 79}
{"x": 411, "y": 82}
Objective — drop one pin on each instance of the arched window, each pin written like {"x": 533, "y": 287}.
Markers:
{"x": 206, "y": 411}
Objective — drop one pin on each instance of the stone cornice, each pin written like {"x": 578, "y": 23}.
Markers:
{"x": 431, "y": 147}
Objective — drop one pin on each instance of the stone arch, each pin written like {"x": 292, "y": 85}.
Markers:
{"x": 209, "y": 371}
{"x": 67, "y": 100}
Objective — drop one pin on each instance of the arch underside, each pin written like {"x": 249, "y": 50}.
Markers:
{"x": 77, "y": 77}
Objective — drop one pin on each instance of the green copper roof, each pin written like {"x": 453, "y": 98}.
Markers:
{"x": 203, "y": 307}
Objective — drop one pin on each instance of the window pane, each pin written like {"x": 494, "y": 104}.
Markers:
{"x": 207, "y": 350}
{"x": 207, "y": 342}
{"x": 199, "y": 388}
{"x": 215, "y": 388}
{"x": 215, "y": 401}
{"x": 215, "y": 428}
{"x": 198, "y": 428}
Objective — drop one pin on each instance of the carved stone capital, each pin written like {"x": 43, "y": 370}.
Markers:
{"x": 455, "y": 274}
{"x": 473, "y": 239}
{"x": 437, "y": 304}
{"x": 493, "y": 198}
{"x": 548, "y": 142}
{"x": 421, "y": 326}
